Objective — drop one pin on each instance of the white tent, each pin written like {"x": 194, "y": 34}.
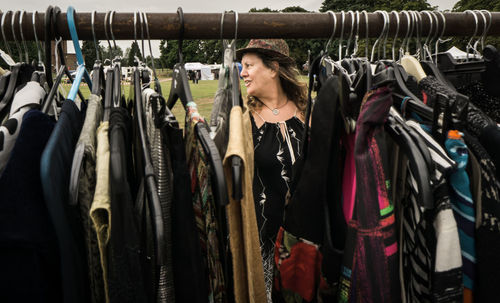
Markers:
{"x": 206, "y": 71}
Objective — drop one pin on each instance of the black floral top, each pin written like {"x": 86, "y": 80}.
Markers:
{"x": 276, "y": 146}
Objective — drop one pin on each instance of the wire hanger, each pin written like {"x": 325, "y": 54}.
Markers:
{"x": 4, "y": 15}
{"x": 410, "y": 63}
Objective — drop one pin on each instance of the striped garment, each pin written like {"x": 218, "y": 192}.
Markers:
{"x": 431, "y": 264}
{"x": 369, "y": 269}
{"x": 463, "y": 206}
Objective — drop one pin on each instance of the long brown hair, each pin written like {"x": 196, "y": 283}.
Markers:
{"x": 295, "y": 90}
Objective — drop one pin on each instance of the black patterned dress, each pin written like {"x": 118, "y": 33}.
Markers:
{"x": 276, "y": 146}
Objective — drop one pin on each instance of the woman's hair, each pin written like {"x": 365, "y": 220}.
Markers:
{"x": 295, "y": 90}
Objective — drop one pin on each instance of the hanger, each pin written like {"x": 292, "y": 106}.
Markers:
{"x": 108, "y": 94}
{"x": 118, "y": 99}
{"x": 97, "y": 71}
{"x": 418, "y": 165}
{"x": 236, "y": 162}
{"x": 410, "y": 63}
{"x": 461, "y": 70}
{"x": 428, "y": 64}
{"x": 4, "y": 79}
{"x": 70, "y": 15}
{"x": 50, "y": 17}
{"x": 80, "y": 71}
{"x": 37, "y": 75}
{"x": 20, "y": 75}
{"x": 149, "y": 176}
{"x": 180, "y": 90}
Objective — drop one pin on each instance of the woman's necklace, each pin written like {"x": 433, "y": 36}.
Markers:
{"x": 275, "y": 111}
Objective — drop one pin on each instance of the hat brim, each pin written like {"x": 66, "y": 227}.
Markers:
{"x": 242, "y": 51}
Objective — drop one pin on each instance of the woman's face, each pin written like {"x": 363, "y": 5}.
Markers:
{"x": 257, "y": 76}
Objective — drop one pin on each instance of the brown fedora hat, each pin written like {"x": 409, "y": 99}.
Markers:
{"x": 270, "y": 47}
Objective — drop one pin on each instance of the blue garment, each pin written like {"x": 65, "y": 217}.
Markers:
{"x": 29, "y": 259}
{"x": 55, "y": 169}
{"x": 463, "y": 208}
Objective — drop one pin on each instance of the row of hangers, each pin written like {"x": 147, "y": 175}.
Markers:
{"x": 359, "y": 75}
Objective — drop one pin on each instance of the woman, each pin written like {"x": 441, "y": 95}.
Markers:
{"x": 277, "y": 102}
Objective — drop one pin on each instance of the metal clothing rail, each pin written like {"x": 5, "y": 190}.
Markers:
{"x": 250, "y": 25}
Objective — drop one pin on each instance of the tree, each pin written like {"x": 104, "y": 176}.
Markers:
{"x": 462, "y": 5}
{"x": 110, "y": 53}
{"x": 373, "y": 5}
{"x": 89, "y": 53}
{"x": 19, "y": 56}
{"x": 132, "y": 52}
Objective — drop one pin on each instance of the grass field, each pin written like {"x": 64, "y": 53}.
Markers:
{"x": 203, "y": 94}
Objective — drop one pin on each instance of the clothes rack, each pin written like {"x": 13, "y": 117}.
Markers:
{"x": 250, "y": 25}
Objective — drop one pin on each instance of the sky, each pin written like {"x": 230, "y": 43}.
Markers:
{"x": 188, "y": 6}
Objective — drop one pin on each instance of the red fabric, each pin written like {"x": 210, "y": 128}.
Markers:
{"x": 300, "y": 271}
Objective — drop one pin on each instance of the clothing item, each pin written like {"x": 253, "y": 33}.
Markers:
{"x": 248, "y": 272}
{"x": 31, "y": 95}
{"x": 490, "y": 140}
{"x": 125, "y": 272}
{"x": 431, "y": 263}
{"x": 188, "y": 268}
{"x": 309, "y": 246}
{"x": 163, "y": 173}
{"x": 55, "y": 169}
{"x": 29, "y": 254}
{"x": 478, "y": 95}
{"x": 370, "y": 268}
{"x": 463, "y": 207}
{"x": 276, "y": 146}
{"x": 474, "y": 171}
{"x": 219, "y": 119}
{"x": 204, "y": 205}
{"x": 487, "y": 234}
{"x": 82, "y": 193}
{"x": 100, "y": 211}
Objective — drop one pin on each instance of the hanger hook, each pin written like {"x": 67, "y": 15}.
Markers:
{"x": 334, "y": 17}
{"x": 395, "y": 36}
{"x": 3, "y": 31}
{"x": 181, "y": 33}
{"x": 351, "y": 14}
{"x": 408, "y": 29}
{"x": 480, "y": 39}
{"x": 487, "y": 28}
{"x": 12, "y": 25}
{"x": 235, "y": 26}
{"x": 434, "y": 37}
{"x": 367, "y": 33}
{"x": 356, "y": 37}
{"x": 21, "y": 19}
{"x": 37, "y": 42}
{"x": 106, "y": 18}
{"x": 475, "y": 32}
{"x": 149, "y": 42}
{"x": 426, "y": 41}
{"x": 381, "y": 34}
{"x": 111, "y": 29}
{"x": 341, "y": 34}
{"x": 141, "y": 19}
{"x": 418, "y": 31}
{"x": 222, "y": 26}
{"x": 436, "y": 46}
{"x": 386, "y": 34}
{"x": 92, "y": 22}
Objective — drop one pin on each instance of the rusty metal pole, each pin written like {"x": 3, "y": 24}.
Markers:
{"x": 250, "y": 25}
